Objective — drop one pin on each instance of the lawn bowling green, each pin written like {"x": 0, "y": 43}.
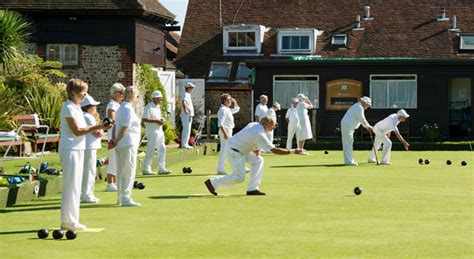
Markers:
{"x": 405, "y": 210}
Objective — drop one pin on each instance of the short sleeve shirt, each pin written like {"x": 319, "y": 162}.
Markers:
{"x": 152, "y": 111}
{"x": 388, "y": 124}
{"x": 126, "y": 117}
{"x": 261, "y": 111}
{"x": 92, "y": 142}
{"x": 68, "y": 139}
{"x": 187, "y": 97}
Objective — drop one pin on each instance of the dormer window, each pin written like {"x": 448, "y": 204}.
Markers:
{"x": 243, "y": 39}
{"x": 219, "y": 71}
{"x": 339, "y": 40}
{"x": 466, "y": 42}
{"x": 243, "y": 73}
{"x": 297, "y": 41}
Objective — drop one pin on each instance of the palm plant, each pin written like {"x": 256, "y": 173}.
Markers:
{"x": 15, "y": 31}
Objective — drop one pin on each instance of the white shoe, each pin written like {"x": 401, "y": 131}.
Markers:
{"x": 371, "y": 161}
{"x": 247, "y": 170}
{"x": 90, "y": 199}
{"x": 164, "y": 171}
{"x": 187, "y": 146}
{"x": 222, "y": 173}
{"x": 353, "y": 163}
{"x": 111, "y": 187}
{"x": 130, "y": 203}
{"x": 72, "y": 226}
{"x": 148, "y": 173}
{"x": 385, "y": 163}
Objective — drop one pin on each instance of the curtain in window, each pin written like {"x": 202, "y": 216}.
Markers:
{"x": 393, "y": 94}
{"x": 379, "y": 94}
{"x": 284, "y": 91}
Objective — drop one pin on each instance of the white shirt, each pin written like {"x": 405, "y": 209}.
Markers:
{"x": 92, "y": 142}
{"x": 68, "y": 139}
{"x": 112, "y": 105}
{"x": 152, "y": 111}
{"x": 355, "y": 116}
{"x": 253, "y": 135}
{"x": 126, "y": 117}
{"x": 225, "y": 116}
{"x": 271, "y": 112}
{"x": 261, "y": 111}
{"x": 388, "y": 124}
{"x": 185, "y": 96}
{"x": 292, "y": 116}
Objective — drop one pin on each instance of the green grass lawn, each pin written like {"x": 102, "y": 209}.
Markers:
{"x": 405, "y": 210}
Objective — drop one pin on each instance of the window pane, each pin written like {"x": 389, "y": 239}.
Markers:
{"x": 243, "y": 72}
{"x": 54, "y": 52}
{"x": 242, "y": 39}
{"x": 304, "y": 42}
{"x": 70, "y": 54}
{"x": 295, "y": 42}
{"x": 284, "y": 91}
{"x": 219, "y": 71}
{"x": 285, "y": 42}
{"x": 393, "y": 94}
{"x": 379, "y": 94}
{"x": 232, "y": 39}
{"x": 250, "y": 39}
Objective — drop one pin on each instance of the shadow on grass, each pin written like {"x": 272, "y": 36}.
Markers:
{"x": 299, "y": 166}
{"x": 171, "y": 175}
{"x": 58, "y": 207}
{"x": 18, "y": 232}
{"x": 191, "y": 196}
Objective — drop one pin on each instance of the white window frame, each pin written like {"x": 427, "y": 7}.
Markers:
{"x": 462, "y": 45}
{"x": 62, "y": 48}
{"x": 311, "y": 33}
{"x": 394, "y": 75}
{"x": 238, "y": 79}
{"x": 219, "y": 79}
{"x": 259, "y": 31}
{"x": 284, "y": 103}
{"x": 335, "y": 43}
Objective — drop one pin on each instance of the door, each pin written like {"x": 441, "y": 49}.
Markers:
{"x": 459, "y": 107}
{"x": 168, "y": 81}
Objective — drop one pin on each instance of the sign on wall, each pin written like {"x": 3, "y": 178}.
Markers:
{"x": 342, "y": 93}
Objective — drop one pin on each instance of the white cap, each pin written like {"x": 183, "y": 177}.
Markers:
{"x": 156, "y": 94}
{"x": 277, "y": 105}
{"x": 189, "y": 84}
{"x": 366, "y": 100}
{"x": 403, "y": 113}
{"x": 88, "y": 100}
{"x": 294, "y": 100}
{"x": 300, "y": 96}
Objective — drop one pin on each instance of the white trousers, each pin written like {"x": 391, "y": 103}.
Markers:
{"x": 90, "y": 168}
{"x": 387, "y": 147}
{"x": 156, "y": 140}
{"x": 72, "y": 162}
{"x": 237, "y": 162}
{"x": 112, "y": 166}
{"x": 186, "y": 120}
{"x": 126, "y": 170}
{"x": 221, "y": 160}
{"x": 347, "y": 134}
{"x": 292, "y": 131}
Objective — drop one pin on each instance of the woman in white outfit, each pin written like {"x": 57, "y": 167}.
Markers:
{"x": 293, "y": 122}
{"x": 261, "y": 109}
{"x": 187, "y": 114}
{"x": 305, "y": 132}
{"x": 71, "y": 152}
{"x": 126, "y": 141}
{"x": 382, "y": 131}
{"x": 272, "y": 113}
{"x": 116, "y": 92}
{"x": 225, "y": 122}
{"x": 351, "y": 121}
{"x": 89, "y": 106}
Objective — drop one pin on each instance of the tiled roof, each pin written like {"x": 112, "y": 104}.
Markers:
{"x": 401, "y": 28}
{"x": 148, "y": 7}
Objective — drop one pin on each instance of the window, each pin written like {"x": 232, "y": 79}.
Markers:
{"x": 466, "y": 42}
{"x": 219, "y": 71}
{"x": 297, "y": 41}
{"x": 64, "y": 53}
{"x": 243, "y": 73}
{"x": 286, "y": 87}
{"x": 243, "y": 39}
{"x": 339, "y": 40}
{"x": 393, "y": 91}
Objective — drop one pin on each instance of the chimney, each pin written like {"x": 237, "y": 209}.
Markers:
{"x": 367, "y": 16}
{"x": 358, "y": 26}
{"x": 454, "y": 25}
{"x": 442, "y": 17}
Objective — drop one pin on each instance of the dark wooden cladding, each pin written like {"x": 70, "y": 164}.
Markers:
{"x": 150, "y": 44}
{"x": 432, "y": 92}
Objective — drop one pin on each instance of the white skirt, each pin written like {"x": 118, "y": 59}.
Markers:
{"x": 306, "y": 132}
